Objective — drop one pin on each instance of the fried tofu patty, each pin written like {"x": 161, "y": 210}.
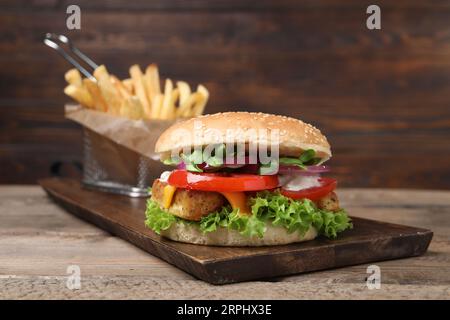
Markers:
{"x": 330, "y": 202}
{"x": 189, "y": 204}
{"x": 193, "y": 204}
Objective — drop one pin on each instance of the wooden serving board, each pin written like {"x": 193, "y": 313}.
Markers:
{"x": 368, "y": 241}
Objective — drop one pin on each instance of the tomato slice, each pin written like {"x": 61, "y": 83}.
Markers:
{"x": 315, "y": 193}
{"x": 221, "y": 182}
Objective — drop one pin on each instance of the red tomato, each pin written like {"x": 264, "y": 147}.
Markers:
{"x": 221, "y": 182}
{"x": 314, "y": 193}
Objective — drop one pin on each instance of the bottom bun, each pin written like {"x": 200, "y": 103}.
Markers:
{"x": 224, "y": 237}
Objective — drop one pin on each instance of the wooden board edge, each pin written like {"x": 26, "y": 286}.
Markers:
{"x": 215, "y": 269}
{"x": 212, "y": 270}
{"x": 180, "y": 260}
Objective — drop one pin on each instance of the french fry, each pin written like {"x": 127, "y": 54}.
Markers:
{"x": 173, "y": 112}
{"x": 200, "y": 104}
{"x": 138, "y": 83}
{"x": 73, "y": 77}
{"x": 151, "y": 81}
{"x": 128, "y": 83}
{"x": 156, "y": 106}
{"x": 137, "y": 97}
{"x": 185, "y": 93}
{"x": 168, "y": 105}
{"x": 186, "y": 109}
{"x": 97, "y": 98}
{"x": 132, "y": 108}
{"x": 137, "y": 110}
{"x": 123, "y": 91}
{"x": 79, "y": 94}
{"x": 109, "y": 92}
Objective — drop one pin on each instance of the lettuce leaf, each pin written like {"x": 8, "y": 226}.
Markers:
{"x": 307, "y": 158}
{"x": 219, "y": 156}
{"x": 298, "y": 215}
{"x": 267, "y": 207}
{"x": 156, "y": 218}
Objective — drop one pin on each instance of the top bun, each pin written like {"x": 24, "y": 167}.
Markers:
{"x": 295, "y": 136}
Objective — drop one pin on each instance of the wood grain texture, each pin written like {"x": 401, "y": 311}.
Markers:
{"x": 381, "y": 97}
{"x": 38, "y": 240}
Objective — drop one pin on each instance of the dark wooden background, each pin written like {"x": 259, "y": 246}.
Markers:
{"x": 382, "y": 97}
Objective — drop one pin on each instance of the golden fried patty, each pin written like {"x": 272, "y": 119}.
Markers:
{"x": 194, "y": 204}
{"x": 330, "y": 202}
{"x": 189, "y": 204}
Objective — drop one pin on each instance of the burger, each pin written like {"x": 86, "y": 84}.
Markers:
{"x": 244, "y": 179}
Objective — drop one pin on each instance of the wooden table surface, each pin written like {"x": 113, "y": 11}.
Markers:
{"x": 39, "y": 240}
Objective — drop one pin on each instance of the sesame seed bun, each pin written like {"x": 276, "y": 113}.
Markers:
{"x": 295, "y": 136}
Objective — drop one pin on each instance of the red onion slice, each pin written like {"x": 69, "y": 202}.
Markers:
{"x": 181, "y": 166}
{"x": 253, "y": 168}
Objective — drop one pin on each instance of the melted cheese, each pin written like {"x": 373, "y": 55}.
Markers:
{"x": 238, "y": 200}
{"x": 168, "y": 194}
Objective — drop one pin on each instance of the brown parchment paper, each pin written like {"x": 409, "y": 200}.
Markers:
{"x": 137, "y": 135}
{"x": 118, "y": 150}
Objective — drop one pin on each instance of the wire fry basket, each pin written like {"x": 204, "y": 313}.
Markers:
{"x": 118, "y": 151}
{"x": 110, "y": 167}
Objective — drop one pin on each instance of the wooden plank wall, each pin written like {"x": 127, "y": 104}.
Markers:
{"x": 382, "y": 97}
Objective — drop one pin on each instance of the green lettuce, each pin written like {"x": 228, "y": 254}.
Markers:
{"x": 307, "y": 158}
{"x": 158, "y": 219}
{"x": 218, "y": 156}
{"x": 267, "y": 207}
